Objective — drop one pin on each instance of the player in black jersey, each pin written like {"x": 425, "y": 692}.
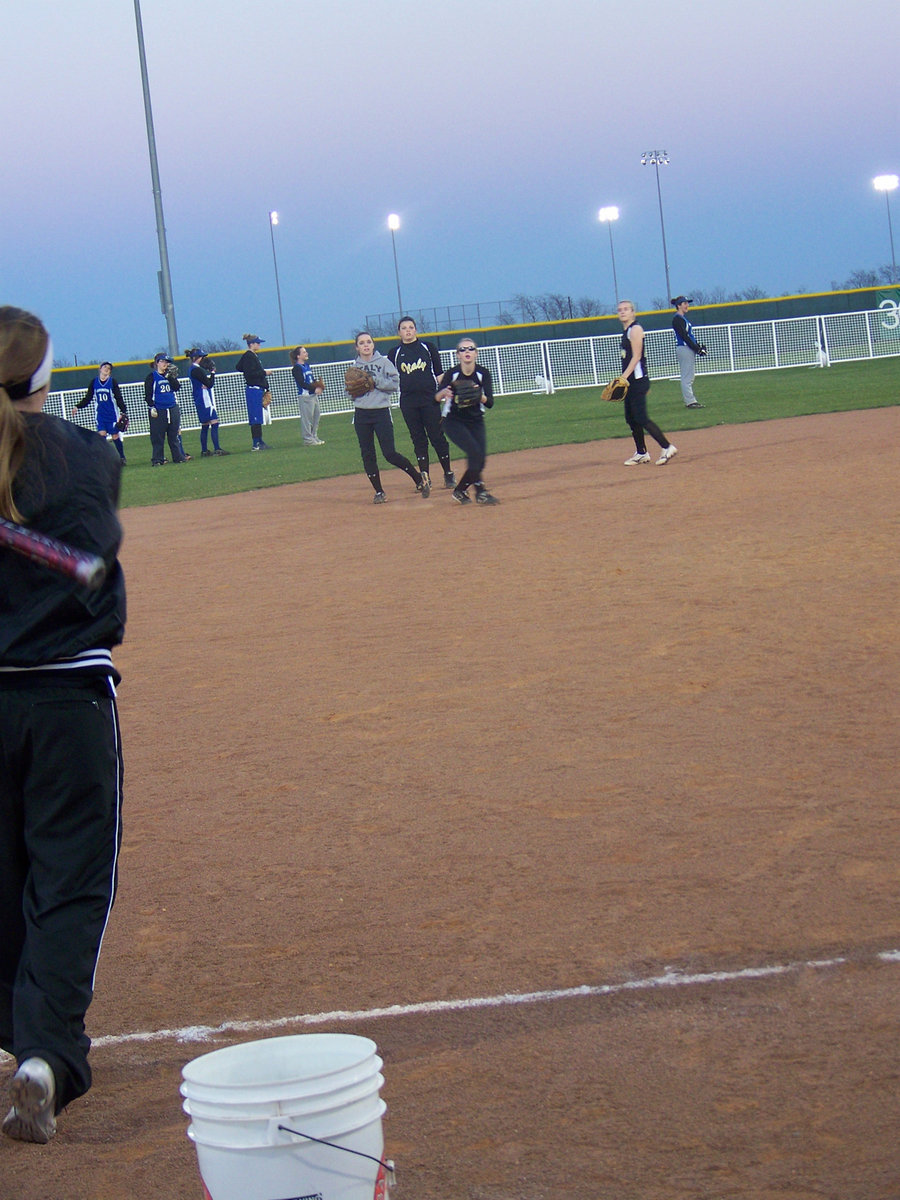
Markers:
{"x": 467, "y": 390}
{"x": 419, "y": 365}
{"x": 60, "y": 749}
{"x": 634, "y": 369}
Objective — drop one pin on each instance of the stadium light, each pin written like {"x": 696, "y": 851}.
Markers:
{"x": 888, "y": 184}
{"x": 657, "y": 159}
{"x": 273, "y": 221}
{"x": 393, "y": 226}
{"x": 165, "y": 278}
{"x": 608, "y": 215}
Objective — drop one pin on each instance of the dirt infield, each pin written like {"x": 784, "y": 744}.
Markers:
{"x": 634, "y": 727}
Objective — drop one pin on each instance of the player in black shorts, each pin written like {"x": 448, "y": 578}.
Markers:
{"x": 419, "y": 365}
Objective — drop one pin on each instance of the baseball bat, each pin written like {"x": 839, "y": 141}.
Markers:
{"x": 88, "y": 569}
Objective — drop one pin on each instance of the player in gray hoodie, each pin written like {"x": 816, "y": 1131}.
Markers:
{"x": 372, "y": 417}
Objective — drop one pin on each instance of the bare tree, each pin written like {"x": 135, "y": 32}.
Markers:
{"x": 862, "y": 278}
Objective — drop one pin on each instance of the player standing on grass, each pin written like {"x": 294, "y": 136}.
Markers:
{"x": 203, "y": 380}
{"x": 634, "y": 369}
{"x": 309, "y": 389}
{"x": 466, "y": 391}
{"x": 108, "y": 395}
{"x": 160, "y": 387}
{"x": 687, "y": 350}
{"x": 419, "y": 364}
{"x": 256, "y": 386}
{"x": 60, "y": 750}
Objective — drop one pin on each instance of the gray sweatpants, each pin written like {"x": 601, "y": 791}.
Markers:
{"x": 310, "y": 412}
{"x": 687, "y": 367}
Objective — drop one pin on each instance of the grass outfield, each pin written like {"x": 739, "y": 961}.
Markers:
{"x": 516, "y": 423}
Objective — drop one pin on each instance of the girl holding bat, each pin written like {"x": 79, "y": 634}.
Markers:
{"x": 60, "y": 751}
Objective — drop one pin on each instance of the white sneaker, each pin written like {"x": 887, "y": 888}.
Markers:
{"x": 636, "y": 458}
{"x": 32, "y": 1091}
{"x": 669, "y": 452}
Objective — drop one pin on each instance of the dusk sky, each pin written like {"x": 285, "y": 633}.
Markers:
{"x": 494, "y": 129}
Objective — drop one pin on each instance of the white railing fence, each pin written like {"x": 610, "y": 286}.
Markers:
{"x": 565, "y": 363}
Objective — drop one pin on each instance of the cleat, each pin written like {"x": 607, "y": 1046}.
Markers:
{"x": 206, "y": 453}
{"x": 32, "y": 1091}
{"x": 669, "y": 452}
{"x": 220, "y": 453}
{"x": 424, "y": 488}
{"x": 636, "y": 458}
{"x": 379, "y": 498}
{"x": 461, "y": 497}
{"x": 696, "y": 404}
{"x": 449, "y": 479}
{"x": 485, "y": 498}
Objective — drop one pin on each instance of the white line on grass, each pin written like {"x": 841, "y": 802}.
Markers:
{"x": 670, "y": 978}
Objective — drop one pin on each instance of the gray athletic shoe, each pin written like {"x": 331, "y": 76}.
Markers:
{"x": 379, "y": 498}
{"x": 449, "y": 479}
{"x": 485, "y": 498}
{"x": 424, "y": 488}
{"x": 32, "y": 1091}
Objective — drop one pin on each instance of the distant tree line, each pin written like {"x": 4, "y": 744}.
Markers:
{"x": 860, "y": 279}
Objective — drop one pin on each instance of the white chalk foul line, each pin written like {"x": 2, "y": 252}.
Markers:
{"x": 670, "y": 978}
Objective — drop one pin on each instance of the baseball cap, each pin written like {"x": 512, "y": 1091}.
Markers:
{"x": 162, "y": 358}
{"x": 676, "y": 300}
{"x": 194, "y": 352}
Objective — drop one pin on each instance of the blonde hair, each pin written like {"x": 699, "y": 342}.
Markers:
{"x": 23, "y": 344}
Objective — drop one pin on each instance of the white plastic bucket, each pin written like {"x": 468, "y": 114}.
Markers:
{"x": 261, "y": 1112}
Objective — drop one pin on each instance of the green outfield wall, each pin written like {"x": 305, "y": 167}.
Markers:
{"x": 817, "y": 304}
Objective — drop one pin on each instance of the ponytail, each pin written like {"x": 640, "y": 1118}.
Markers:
{"x": 12, "y": 451}
{"x": 24, "y": 348}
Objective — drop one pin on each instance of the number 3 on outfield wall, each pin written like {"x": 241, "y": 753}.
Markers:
{"x": 891, "y": 307}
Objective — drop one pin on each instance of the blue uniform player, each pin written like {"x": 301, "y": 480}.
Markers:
{"x": 160, "y": 387}
{"x": 108, "y": 396}
{"x": 203, "y": 378}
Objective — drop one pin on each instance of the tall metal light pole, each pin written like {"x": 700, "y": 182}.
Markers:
{"x": 608, "y": 215}
{"x": 273, "y": 221}
{"x": 888, "y": 184}
{"x": 657, "y": 159}
{"x": 165, "y": 279}
{"x": 393, "y": 226}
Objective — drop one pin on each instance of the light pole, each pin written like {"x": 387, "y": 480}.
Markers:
{"x": 273, "y": 221}
{"x": 657, "y": 159}
{"x": 393, "y": 226}
{"x": 887, "y": 184}
{"x": 165, "y": 279}
{"x": 608, "y": 215}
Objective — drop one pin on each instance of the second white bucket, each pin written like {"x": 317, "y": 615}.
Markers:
{"x": 293, "y": 1116}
